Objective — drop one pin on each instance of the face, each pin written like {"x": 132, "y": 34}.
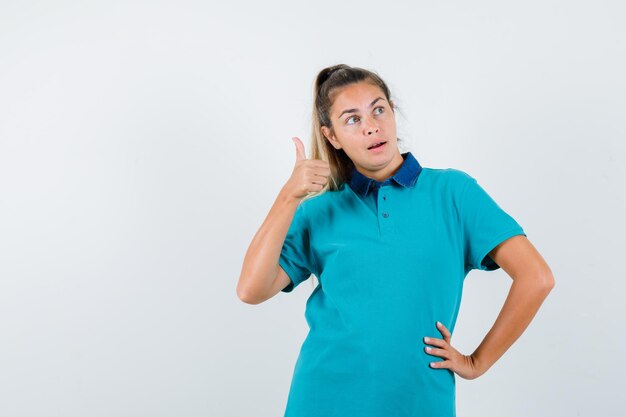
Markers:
{"x": 361, "y": 116}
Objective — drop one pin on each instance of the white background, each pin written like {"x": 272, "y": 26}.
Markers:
{"x": 143, "y": 142}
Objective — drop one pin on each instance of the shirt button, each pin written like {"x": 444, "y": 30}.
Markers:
{"x": 385, "y": 214}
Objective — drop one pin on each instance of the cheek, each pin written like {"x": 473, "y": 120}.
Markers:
{"x": 390, "y": 125}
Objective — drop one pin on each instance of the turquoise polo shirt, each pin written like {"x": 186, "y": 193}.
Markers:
{"x": 391, "y": 258}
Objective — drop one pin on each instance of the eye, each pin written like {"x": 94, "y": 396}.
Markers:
{"x": 377, "y": 108}
{"x": 350, "y": 118}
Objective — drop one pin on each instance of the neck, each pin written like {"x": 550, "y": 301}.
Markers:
{"x": 385, "y": 172}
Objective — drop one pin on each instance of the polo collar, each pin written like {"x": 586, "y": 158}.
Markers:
{"x": 406, "y": 176}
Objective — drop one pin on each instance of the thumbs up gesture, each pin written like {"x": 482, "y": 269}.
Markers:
{"x": 309, "y": 175}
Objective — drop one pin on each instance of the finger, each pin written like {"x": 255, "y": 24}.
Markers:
{"x": 300, "y": 154}
{"x": 434, "y": 341}
{"x": 441, "y": 364}
{"x": 321, "y": 171}
{"x": 319, "y": 164}
{"x": 442, "y": 353}
{"x": 444, "y": 332}
{"x": 318, "y": 180}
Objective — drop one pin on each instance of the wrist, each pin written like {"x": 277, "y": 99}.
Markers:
{"x": 479, "y": 364}
{"x": 288, "y": 198}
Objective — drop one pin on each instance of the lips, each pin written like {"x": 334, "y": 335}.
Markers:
{"x": 375, "y": 144}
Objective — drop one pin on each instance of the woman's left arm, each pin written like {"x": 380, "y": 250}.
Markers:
{"x": 532, "y": 281}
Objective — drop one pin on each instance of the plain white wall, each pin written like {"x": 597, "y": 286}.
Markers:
{"x": 142, "y": 144}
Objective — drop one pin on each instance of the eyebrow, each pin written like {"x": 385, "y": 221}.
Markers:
{"x": 355, "y": 110}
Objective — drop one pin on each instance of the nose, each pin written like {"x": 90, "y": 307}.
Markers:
{"x": 371, "y": 127}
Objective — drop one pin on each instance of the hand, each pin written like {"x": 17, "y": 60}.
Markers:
{"x": 463, "y": 365}
{"x": 308, "y": 176}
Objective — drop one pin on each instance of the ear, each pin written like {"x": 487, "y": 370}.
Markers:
{"x": 328, "y": 134}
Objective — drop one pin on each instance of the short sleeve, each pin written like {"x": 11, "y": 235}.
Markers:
{"x": 296, "y": 256}
{"x": 485, "y": 225}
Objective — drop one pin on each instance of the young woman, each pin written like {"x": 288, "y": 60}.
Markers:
{"x": 390, "y": 242}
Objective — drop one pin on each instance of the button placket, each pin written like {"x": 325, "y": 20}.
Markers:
{"x": 385, "y": 220}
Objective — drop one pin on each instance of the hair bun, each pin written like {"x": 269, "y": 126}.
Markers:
{"x": 327, "y": 72}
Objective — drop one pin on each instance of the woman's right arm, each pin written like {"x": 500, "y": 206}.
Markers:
{"x": 259, "y": 273}
{"x": 261, "y": 276}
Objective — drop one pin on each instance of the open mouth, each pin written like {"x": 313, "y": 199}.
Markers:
{"x": 377, "y": 145}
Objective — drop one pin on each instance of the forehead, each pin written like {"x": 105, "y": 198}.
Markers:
{"x": 355, "y": 96}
